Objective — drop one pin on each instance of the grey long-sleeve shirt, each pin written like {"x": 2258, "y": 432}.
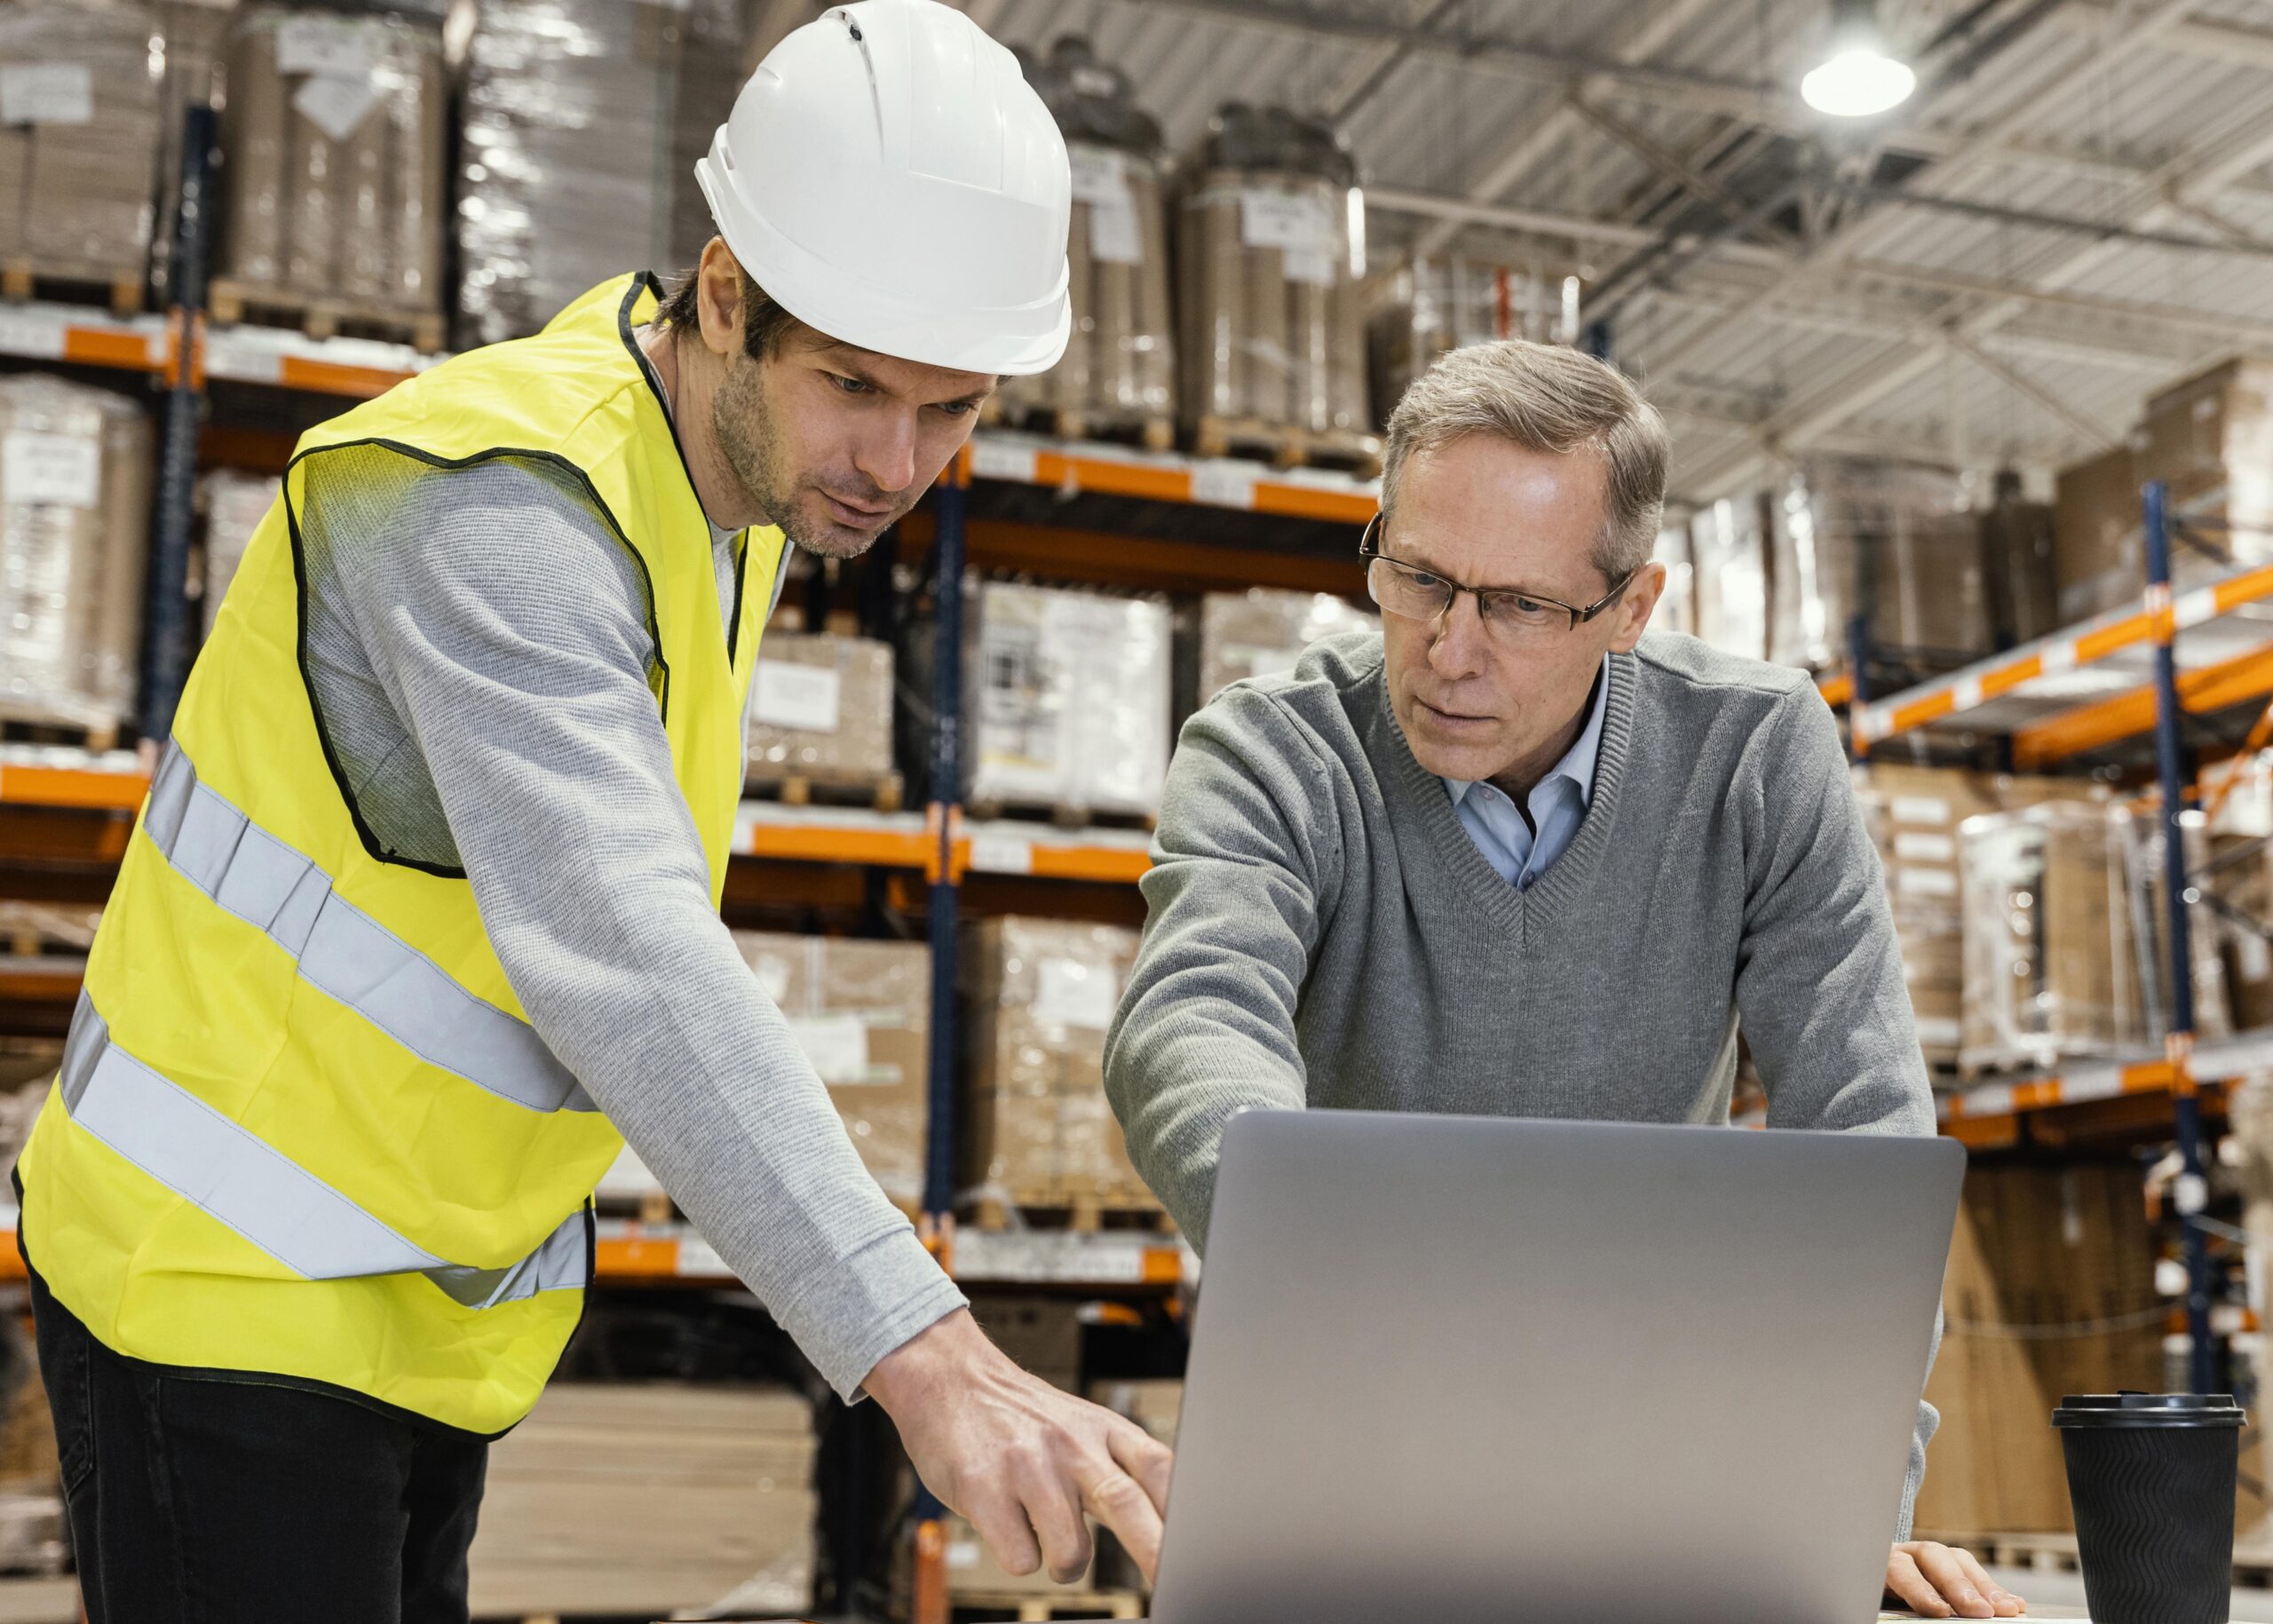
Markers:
{"x": 1323, "y": 931}
{"x": 479, "y": 653}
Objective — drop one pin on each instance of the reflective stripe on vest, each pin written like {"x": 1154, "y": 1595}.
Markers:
{"x": 279, "y": 1206}
{"x": 343, "y": 952}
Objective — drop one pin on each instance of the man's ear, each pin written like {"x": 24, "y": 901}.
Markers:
{"x": 718, "y": 299}
{"x": 1635, "y": 609}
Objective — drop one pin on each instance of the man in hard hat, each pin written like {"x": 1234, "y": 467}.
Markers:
{"x": 420, "y": 922}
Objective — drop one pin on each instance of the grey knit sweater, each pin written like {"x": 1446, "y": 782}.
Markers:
{"x": 1323, "y": 933}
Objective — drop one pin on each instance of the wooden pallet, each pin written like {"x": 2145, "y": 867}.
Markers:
{"x": 2043, "y": 1552}
{"x": 1356, "y": 454}
{"x": 27, "y": 728}
{"x": 887, "y": 794}
{"x": 1051, "y": 1209}
{"x": 119, "y": 291}
{"x": 1284, "y": 446}
{"x": 234, "y": 302}
{"x": 1061, "y": 817}
{"x": 1085, "y": 1604}
{"x": 1152, "y": 433}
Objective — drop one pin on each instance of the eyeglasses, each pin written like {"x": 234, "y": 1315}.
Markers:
{"x": 1509, "y": 616}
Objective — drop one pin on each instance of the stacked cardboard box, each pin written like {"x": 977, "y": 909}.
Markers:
{"x": 2100, "y": 553}
{"x": 861, "y": 1013}
{"x": 234, "y": 505}
{"x": 1040, "y": 1130}
{"x": 336, "y": 129}
{"x": 1068, "y": 700}
{"x": 2050, "y": 1291}
{"x": 821, "y": 709}
{"x": 647, "y": 1499}
{"x": 75, "y": 515}
{"x": 2019, "y": 567}
{"x": 1118, "y": 368}
{"x": 2211, "y": 441}
{"x": 1914, "y": 814}
{"x": 1261, "y": 632}
{"x": 79, "y": 139}
{"x": 2050, "y": 971}
{"x": 1271, "y": 255}
{"x": 1434, "y": 305}
{"x": 1897, "y": 534}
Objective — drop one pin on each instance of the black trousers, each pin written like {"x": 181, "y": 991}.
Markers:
{"x": 198, "y": 1500}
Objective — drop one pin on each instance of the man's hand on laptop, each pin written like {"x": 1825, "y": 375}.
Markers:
{"x": 1027, "y": 1463}
{"x": 1940, "y": 1581}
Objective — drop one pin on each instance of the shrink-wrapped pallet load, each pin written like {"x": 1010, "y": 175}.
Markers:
{"x": 2017, "y": 562}
{"x": 582, "y": 120}
{"x": 820, "y": 712}
{"x": 1432, "y": 305}
{"x": 1728, "y": 545}
{"x": 80, "y": 133}
{"x": 1898, "y": 537}
{"x": 235, "y": 502}
{"x": 1272, "y": 251}
{"x": 336, "y": 130}
{"x": 1118, "y": 374}
{"x": 74, "y": 519}
{"x": 1263, "y": 632}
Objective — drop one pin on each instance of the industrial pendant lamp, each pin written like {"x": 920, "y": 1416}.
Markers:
{"x": 1859, "y": 78}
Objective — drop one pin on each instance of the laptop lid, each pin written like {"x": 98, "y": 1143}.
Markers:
{"x": 1452, "y": 1369}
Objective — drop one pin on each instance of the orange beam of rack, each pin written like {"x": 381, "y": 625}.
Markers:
{"x": 1836, "y": 690}
{"x": 1977, "y": 685}
{"x": 1225, "y": 482}
{"x": 36, "y": 785}
{"x": 1981, "y": 1115}
{"x": 827, "y": 843}
{"x": 2089, "y": 727}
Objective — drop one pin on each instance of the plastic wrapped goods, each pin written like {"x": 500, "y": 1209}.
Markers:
{"x": 2018, "y": 563}
{"x": 1914, "y": 814}
{"x": 1118, "y": 368}
{"x": 647, "y": 1499}
{"x": 821, "y": 709}
{"x": 80, "y": 133}
{"x": 336, "y": 132}
{"x": 1069, "y": 700}
{"x": 234, "y": 505}
{"x": 1729, "y": 551}
{"x": 2099, "y": 535}
{"x": 861, "y": 1013}
{"x": 1677, "y": 608}
{"x": 1273, "y": 247}
{"x": 75, "y": 521}
{"x": 1042, "y": 1133}
{"x": 1896, "y": 536}
{"x": 2049, "y": 967}
{"x": 1433, "y": 305}
{"x": 582, "y": 122}
{"x": 1263, "y": 632}
{"x": 2139, "y": 837}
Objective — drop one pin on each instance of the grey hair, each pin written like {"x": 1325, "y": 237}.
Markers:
{"x": 1545, "y": 397}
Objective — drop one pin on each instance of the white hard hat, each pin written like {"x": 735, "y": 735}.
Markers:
{"x": 891, "y": 180}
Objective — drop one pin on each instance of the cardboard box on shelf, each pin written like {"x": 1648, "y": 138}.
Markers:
{"x": 1041, "y": 1132}
{"x": 1902, "y": 536}
{"x": 861, "y": 1012}
{"x": 2019, "y": 561}
{"x": 2210, "y": 439}
{"x": 2100, "y": 549}
{"x": 646, "y": 1499}
{"x": 821, "y": 709}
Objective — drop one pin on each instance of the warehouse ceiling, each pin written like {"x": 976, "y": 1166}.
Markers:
{"x": 2074, "y": 211}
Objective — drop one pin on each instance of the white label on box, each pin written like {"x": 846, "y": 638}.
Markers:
{"x": 1114, "y": 235}
{"x": 1925, "y": 848}
{"x": 1925, "y": 883}
{"x": 1940, "y": 1030}
{"x": 993, "y": 459}
{"x": 774, "y": 975}
{"x": 1919, "y": 808}
{"x": 836, "y": 1044}
{"x": 1311, "y": 265}
{"x": 1223, "y": 482}
{"x": 807, "y": 699}
{"x": 1100, "y": 174}
{"x": 327, "y": 45}
{"x": 2253, "y": 956}
{"x": 1000, "y": 854}
{"x": 24, "y": 334}
{"x": 47, "y": 93}
{"x": 1287, "y": 221}
{"x": 63, "y": 468}
{"x": 336, "y": 106}
{"x": 1073, "y": 993}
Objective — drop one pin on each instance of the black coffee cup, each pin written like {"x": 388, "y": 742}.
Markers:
{"x": 2151, "y": 1477}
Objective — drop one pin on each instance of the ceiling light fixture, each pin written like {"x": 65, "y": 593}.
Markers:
{"x": 1859, "y": 78}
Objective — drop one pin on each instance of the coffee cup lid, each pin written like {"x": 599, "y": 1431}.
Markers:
{"x": 2148, "y": 1410}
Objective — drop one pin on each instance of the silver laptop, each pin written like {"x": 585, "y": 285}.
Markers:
{"x": 1450, "y": 1369}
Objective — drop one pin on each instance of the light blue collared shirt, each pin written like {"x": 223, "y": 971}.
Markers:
{"x": 1521, "y": 849}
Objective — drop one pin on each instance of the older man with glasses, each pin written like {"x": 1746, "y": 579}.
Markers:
{"x": 1511, "y": 856}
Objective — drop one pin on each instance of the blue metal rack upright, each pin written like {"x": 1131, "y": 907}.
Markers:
{"x": 2192, "y": 1189}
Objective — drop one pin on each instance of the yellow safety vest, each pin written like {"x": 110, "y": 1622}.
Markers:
{"x": 302, "y": 1128}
